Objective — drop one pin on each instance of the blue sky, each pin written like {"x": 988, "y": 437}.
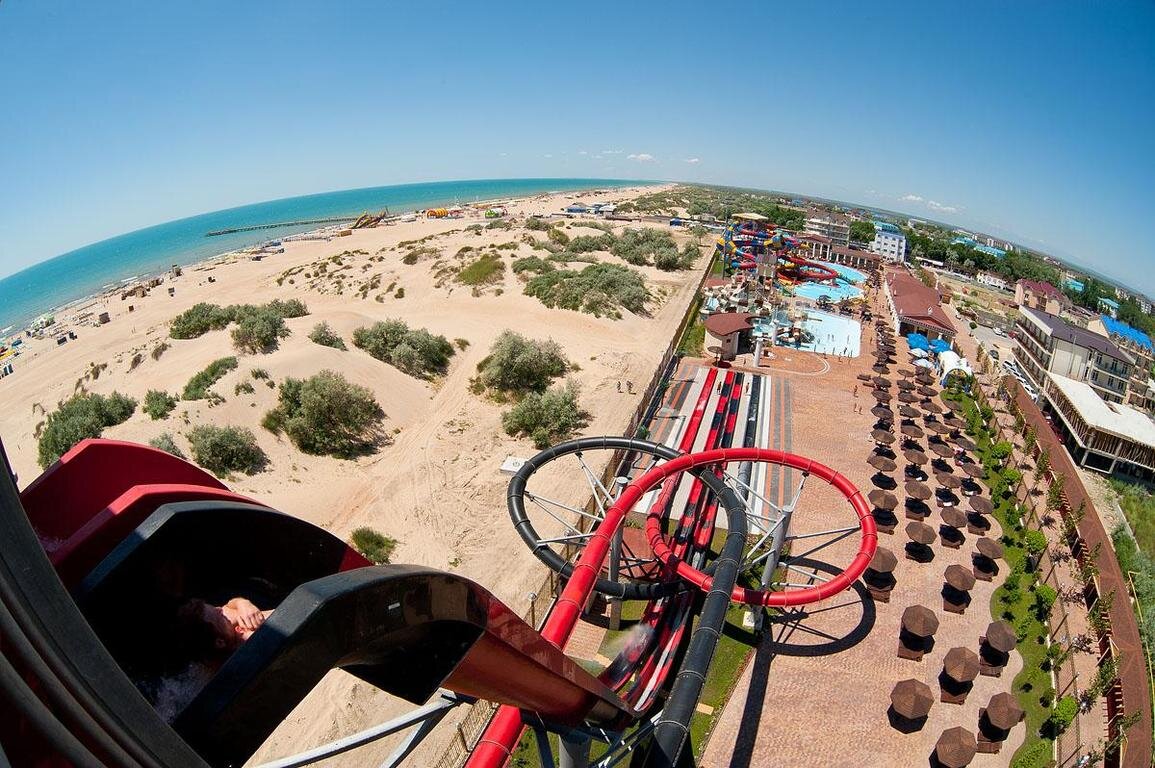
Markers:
{"x": 1034, "y": 120}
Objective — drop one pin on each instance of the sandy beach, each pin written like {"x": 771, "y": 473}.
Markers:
{"x": 436, "y": 488}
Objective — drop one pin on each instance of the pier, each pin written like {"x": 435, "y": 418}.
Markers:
{"x": 231, "y": 230}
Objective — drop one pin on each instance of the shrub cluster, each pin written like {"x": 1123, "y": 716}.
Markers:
{"x": 599, "y": 289}
{"x": 414, "y": 351}
{"x": 516, "y": 364}
{"x": 326, "y": 415}
{"x": 485, "y": 270}
{"x": 374, "y": 545}
{"x": 325, "y": 336}
{"x": 164, "y": 442}
{"x": 546, "y": 417}
{"x": 198, "y": 386}
{"x": 653, "y": 246}
{"x": 201, "y": 318}
{"x": 79, "y": 418}
{"x": 222, "y": 450}
{"x": 259, "y": 329}
{"x": 158, "y": 404}
{"x": 532, "y": 264}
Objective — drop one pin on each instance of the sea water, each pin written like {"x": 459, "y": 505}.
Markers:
{"x": 86, "y": 270}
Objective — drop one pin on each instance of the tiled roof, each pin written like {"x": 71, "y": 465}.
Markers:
{"x": 1043, "y": 287}
{"x": 915, "y": 301}
{"x": 1061, "y": 329}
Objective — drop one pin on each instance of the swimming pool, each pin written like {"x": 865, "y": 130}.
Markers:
{"x": 840, "y": 290}
{"x": 849, "y": 274}
{"x": 825, "y": 333}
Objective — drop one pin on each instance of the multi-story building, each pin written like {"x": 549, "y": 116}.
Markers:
{"x": 1049, "y": 344}
{"x": 1106, "y": 437}
{"x": 993, "y": 280}
{"x": 818, "y": 245}
{"x": 1039, "y": 295}
{"x": 889, "y": 242}
{"x": 851, "y": 257}
{"x": 830, "y": 225}
{"x": 915, "y": 307}
{"x": 1141, "y": 349}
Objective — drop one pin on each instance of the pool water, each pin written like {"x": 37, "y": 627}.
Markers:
{"x": 849, "y": 274}
{"x": 840, "y": 290}
{"x": 825, "y": 333}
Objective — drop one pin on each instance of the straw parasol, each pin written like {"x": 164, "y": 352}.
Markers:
{"x": 982, "y": 505}
{"x": 961, "y": 665}
{"x": 904, "y": 384}
{"x": 973, "y": 469}
{"x": 882, "y": 499}
{"x": 881, "y": 396}
{"x": 911, "y": 699}
{"x": 917, "y": 490}
{"x": 941, "y": 449}
{"x": 959, "y": 577}
{"x": 1003, "y": 711}
{"x": 908, "y": 412}
{"x": 955, "y": 422}
{"x": 989, "y": 548}
{"x": 882, "y": 412}
{"x": 882, "y": 436}
{"x": 881, "y": 463}
{"x": 927, "y": 391}
{"x": 964, "y": 442}
{"x": 954, "y": 517}
{"x": 915, "y": 457}
{"x": 956, "y": 747}
{"x": 880, "y": 382}
{"x": 1001, "y": 636}
{"x": 880, "y": 368}
{"x": 937, "y": 427}
{"x": 919, "y": 533}
{"x": 947, "y": 480}
{"x": 911, "y": 430}
{"x": 883, "y": 561}
{"x": 919, "y": 621}
{"x": 907, "y": 397}
{"x": 931, "y": 407}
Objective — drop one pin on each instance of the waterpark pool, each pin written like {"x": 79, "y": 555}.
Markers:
{"x": 849, "y": 274}
{"x": 828, "y": 334}
{"x": 840, "y": 290}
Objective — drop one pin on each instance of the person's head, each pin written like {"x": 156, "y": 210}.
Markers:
{"x": 208, "y": 631}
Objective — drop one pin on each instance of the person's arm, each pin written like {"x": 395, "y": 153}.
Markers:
{"x": 248, "y": 616}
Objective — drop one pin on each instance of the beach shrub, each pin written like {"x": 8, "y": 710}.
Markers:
{"x": 137, "y": 359}
{"x": 79, "y": 418}
{"x": 259, "y": 331}
{"x": 222, "y": 450}
{"x": 259, "y": 373}
{"x": 486, "y": 269}
{"x": 243, "y": 388}
{"x": 325, "y": 336}
{"x": 158, "y": 404}
{"x": 198, "y": 320}
{"x": 537, "y": 224}
{"x": 644, "y": 246}
{"x": 516, "y": 364}
{"x": 197, "y": 387}
{"x": 412, "y": 350}
{"x": 159, "y": 350}
{"x": 461, "y": 344}
{"x": 546, "y": 417}
{"x": 326, "y": 415}
{"x": 532, "y": 264}
{"x": 164, "y": 442}
{"x": 555, "y": 235}
{"x": 672, "y": 260}
{"x": 288, "y": 308}
{"x": 587, "y": 243}
{"x": 375, "y": 546}
{"x": 599, "y": 289}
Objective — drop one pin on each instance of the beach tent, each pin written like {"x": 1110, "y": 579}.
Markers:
{"x": 918, "y": 353}
{"x": 917, "y": 341}
{"x": 923, "y": 363}
{"x": 951, "y": 363}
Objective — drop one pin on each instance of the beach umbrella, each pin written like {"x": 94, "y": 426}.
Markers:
{"x": 882, "y": 412}
{"x": 882, "y": 499}
{"x": 881, "y": 463}
{"x": 863, "y": 377}
{"x": 880, "y": 382}
{"x": 956, "y": 747}
{"x": 989, "y": 548}
{"x": 907, "y": 397}
{"x": 917, "y": 490}
{"x": 1003, "y": 711}
{"x": 904, "y": 384}
{"x": 882, "y": 436}
{"x": 910, "y": 430}
{"x": 880, "y": 368}
{"x": 1001, "y": 636}
{"x": 961, "y": 665}
{"x": 954, "y": 422}
{"x": 926, "y": 391}
{"x": 931, "y": 407}
{"x": 937, "y": 427}
{"x": 919, "y": 620}
{"x": 881, "y": 396}
{"x": 954, "y": 517}
{"x": 982, "y": 505}
{"x": 906, "y": 372}
{"x": 964, "y": 442}
{"x": 885, "y": 482}
{"x": 941, "y": 449}
{"x": 973, "y": 469}
{"x": 909, "y": 412}
{"x": 947, "y": 481}
{"x": 919, "y": 532}
{"x": 915, "y": 457}
{"x": 959, "y": 577}
{"x": 883, "y": 561}
{"x": 911, "y": 699}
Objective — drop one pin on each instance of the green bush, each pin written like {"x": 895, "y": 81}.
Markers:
{"x": 599, "y": 289}
{"x": 532, "y": 264}
{"x": 326, "y": 415}
{"x": 325, "y": 336}
{"x": 198, "y": 386}
{"x": 159, "y": 350}
{"x": 1035, "y": 542}
{"x": 411, "y": 350}
{"x": 645, "y": 246}
{"x": 537, "y": 224}
{"x": 374, "y": 545}
{"x": 288, "y": 309}
{"x": 243, "y": 388}
{"x": 1063, "y": 714}
{"x": 517, "y": 364}
{"x": 259, "y": 373}
{"x": 79, "y": 418}
{"x": 547, "y": 417}
{"x": 1045, "y": 597}
{"x": 198, "y": 320}
{"x": 158, "y": 404}
{"x": 222, "y": 450}
{"x": 164, "y": 442}
{"x": 588, "y": 243}
{"x": 259, "y": 331}
{"x": 487, "y": 269}
{"x": 555, "y": 235}
{"x": 1037, "y": 755}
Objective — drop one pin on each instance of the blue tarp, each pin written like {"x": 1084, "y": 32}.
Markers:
{"x": 1114, "y": 327}
{"x": 939, "y": 345}
{"x": 918, "y": 341}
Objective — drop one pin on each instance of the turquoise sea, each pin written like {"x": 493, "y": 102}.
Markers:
{"x": 79, "y": 273}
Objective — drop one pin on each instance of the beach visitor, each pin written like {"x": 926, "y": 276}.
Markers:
{"x": 619, "y": 386}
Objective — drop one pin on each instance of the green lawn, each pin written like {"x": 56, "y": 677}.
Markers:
{"x": 1139, "y": 506}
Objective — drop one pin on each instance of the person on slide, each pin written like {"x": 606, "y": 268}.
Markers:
{"x": 231, "y": 624}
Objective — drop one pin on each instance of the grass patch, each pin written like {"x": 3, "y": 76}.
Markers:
{"x": 485, "y": 270}
{"x": 198, "y": 386}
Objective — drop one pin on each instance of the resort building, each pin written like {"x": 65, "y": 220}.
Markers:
{"x": 819, "y": 245}
{"x": 836, "y": 228}
{"x": 1099, "y": 435}
{"x": 1050, "y": 344}
{"x": 1141, "y": 349}
{"x": 1109, "y": 306}
{"x": 1038, "y": 295}
{"x": 915, "y": 307}
{"x": 724, "y": 330}
{"x": 889, "y": 242}
{"x": 863, "y": 260}
{"x": 992, "y": 280}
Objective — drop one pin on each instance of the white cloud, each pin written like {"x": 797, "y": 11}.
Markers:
{"x": 693, "y": 160}
{"x": 611, "y": 151}
{"x": 503, "y": 154}
{"x": 911, "y": 198}
{"x": 581, "y": 152}
{"x": 641, "y": 157}
{"x": 549, "y": 155}
{"x": 935, "y": 206}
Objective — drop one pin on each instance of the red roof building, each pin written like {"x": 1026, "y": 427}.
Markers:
{"x": 915, "y": 307}
{"x": 1039, "y": 294}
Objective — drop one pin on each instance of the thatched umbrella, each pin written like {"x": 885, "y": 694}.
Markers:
{"x": 965, "y": 443}
{"x": 908, "y": 412}
{"x": 915, "y": 457}
{"x": 882, "y": 499}
{"x": 906, "y": 372}
{"x": 882, "y": 412}
{"x": 954, "y": 422}
{"x": 904, "y": 384}
{"x": 917, "y": 490}
{"x": 937, "y": 427}
{"x": 959, "y": 577}
{"x": 881, "y": 463}
{"x": 947, "y": 480}
{"x": 941, "y": 449}
{"x": 881, "y": 396}
{"x": 989, "y": 548}
{"x": 927, "y": 391}
{"x": 954, "y": 517}
{"x": 961, "y": 665}
{"x": 863, "y": 377}
{"x": 1003, "y": 711}
{"x": 1001, "y": 636}
{"x": 911, "y": 699}
{"x": 920, "y": 533}
{"x": 956, "y": 747}
{"x": 880, "y": 368}
{"x": 882, "y": 436}
{"x": 883, "y": 561}
{"x": 907, "y": 397}
{"x": 973, "y": 469}
{"x": 912, "y": 430}
{"x": 919, "y": 621}
{"x": 982, "y": 505}
{"x": 931, "y": 407}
